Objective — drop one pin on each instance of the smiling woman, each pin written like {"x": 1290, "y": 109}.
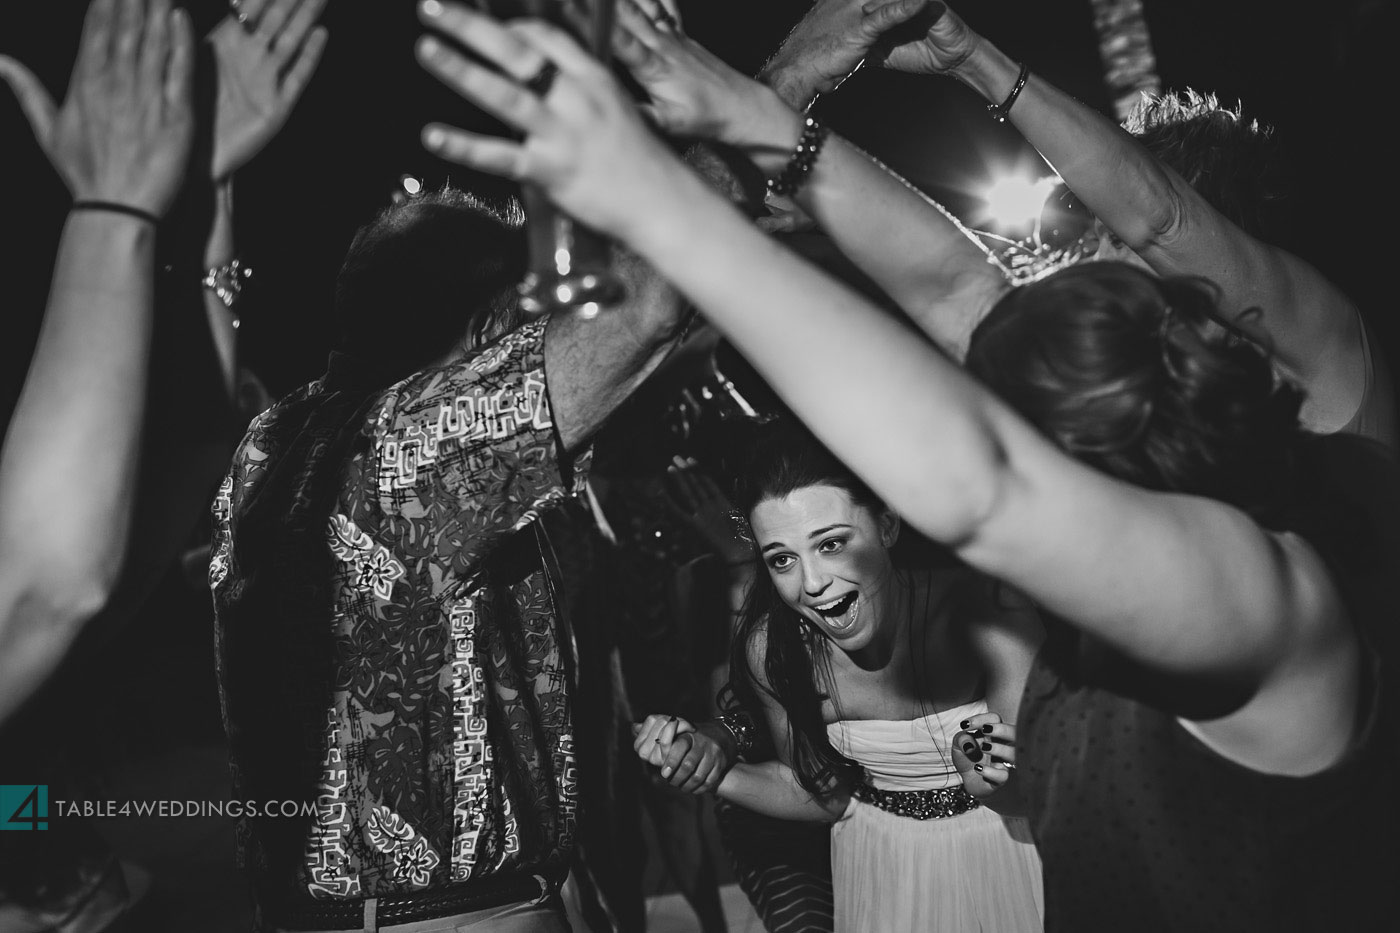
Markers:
{"x": 887, "y": 686}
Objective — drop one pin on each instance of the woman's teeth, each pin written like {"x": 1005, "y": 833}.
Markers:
{"x": 840, "y": 614}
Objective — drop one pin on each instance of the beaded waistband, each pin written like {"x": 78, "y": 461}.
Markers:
{"x": 934, "y": 804}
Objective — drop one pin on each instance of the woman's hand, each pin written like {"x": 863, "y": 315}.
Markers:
{"x": 831, "y": 42}
{"x": 984, "y": 752}
{"x": 692, "y": 92}
{"x": 124, "y": 131}
{"x": 697, "y": 499}
{"x": 266, "y": 52}
{"x": 941, "y": 48}
{"x": 584, "y": 141}
{"x": 691, "y": 759}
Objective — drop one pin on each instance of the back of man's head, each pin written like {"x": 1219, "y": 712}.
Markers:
{"x": 1231, "y": 161}
{"x": 430, "y": 273}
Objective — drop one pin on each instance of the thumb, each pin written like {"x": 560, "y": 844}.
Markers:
{"x": 34, "y": 100}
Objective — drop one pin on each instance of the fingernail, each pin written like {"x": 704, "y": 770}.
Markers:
{"x": 963, "y": 724}
{"x": 977, "y": 768}
{"x": 986, "y": 746}
{"x": 435, "y": 138}
{"x": 665, "y": 772}
{"x": 987, "y": 727}
{"x": 969, "y": 747}
{"x": 431, "y": 8}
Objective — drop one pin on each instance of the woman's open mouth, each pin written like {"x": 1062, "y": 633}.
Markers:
{"x": 840, "y": 614}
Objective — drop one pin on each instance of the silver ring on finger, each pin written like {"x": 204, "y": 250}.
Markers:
{"x": 539, "y": 84}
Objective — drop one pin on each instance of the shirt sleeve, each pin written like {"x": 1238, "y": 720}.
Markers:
{"x": 472, "y": 448}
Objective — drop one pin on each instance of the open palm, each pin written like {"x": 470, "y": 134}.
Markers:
{"x": 266, "y": 52}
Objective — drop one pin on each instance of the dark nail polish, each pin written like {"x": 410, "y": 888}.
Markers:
{"x": 987, "y": 727}
{"x": 969, "y": 747}
{"x": 977, "y": 768}
{"x": 986, "y": 746}
{"x": 975, "y": 754}
{"x": 963, "y": 724}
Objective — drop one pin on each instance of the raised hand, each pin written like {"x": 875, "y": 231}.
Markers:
{"x": 829, "y": 43}
{"x": 584, "y": 141}
{"x": 698, "y": 499}
{"x": 692, "y": 92}
{"x": 940, "y": 48}
{"x": 124, "y": 131}
{"x": 984, "y": 752}
{"x": 652, "y": 737}
{"x": 266, "y": 52}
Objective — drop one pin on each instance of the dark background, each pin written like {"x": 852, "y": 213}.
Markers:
{"x": 1319, "y": 73}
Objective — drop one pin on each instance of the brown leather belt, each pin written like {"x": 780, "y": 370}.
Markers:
{"x": 481, "y": 894}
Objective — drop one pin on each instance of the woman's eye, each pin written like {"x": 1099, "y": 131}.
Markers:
{"x": 781, "y": 562}
{"x": 832, "y": 545}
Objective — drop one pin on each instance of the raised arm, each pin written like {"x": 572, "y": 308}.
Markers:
{"x": 1186, "y": 586}
{"x": 264, "y": 55}
{"x": 69, "y": 463}
{"x": 918, "y": 253}
{"x": 1312, "y": 327}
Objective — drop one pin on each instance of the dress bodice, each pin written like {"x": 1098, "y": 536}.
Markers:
{"x": 909, "y": 754}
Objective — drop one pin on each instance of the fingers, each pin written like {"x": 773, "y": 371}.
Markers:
{"x": 95, "y": 47}
{"x": 274, "y": 16}
{"x": 502, "y": 98}
{"x": 249, "y": 13}
{"x": 992, "y": 774}
{"x": 638, "y": 23}
{"x": 971, "y": 746}
{"x": 304, "y": 65}
{"x": 155, "y": 45}
{"x": 285, "y": 42}
{"x": 499, "y": 45}
{"x": 556, "y": 45}
{"x": 681, "y": 761}
{"x": 130, "y": 27}
{"x": 179, "y": 65}
{"x": 882, "y": 17}
{"x": 34, "y": 100}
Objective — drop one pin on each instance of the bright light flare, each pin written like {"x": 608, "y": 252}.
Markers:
{"x": 411, "y": 185}
{"x": 1016, "y": 201}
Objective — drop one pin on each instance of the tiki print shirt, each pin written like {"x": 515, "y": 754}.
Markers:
{"x": 388, "y": 645}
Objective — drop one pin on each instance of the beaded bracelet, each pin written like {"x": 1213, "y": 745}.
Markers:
{"x": 804, "y": 156}
{"x": 1002, "y": 110}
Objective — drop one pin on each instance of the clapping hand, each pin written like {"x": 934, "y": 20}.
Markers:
{"x": 266, "y": 52}
{"x": 124, "y": 131}
{"x": 984, "y": 752}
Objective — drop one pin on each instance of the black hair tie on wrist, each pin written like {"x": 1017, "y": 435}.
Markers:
{"x": 1002, "y": 110}
{"x": 114, "y": 207}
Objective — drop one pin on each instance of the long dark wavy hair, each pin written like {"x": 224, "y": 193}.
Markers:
{"x": 1138, "y": 376}
{"x": 781, "y": 458}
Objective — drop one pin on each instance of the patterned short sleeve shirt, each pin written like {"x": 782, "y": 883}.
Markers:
{"x": 404, "y": 669}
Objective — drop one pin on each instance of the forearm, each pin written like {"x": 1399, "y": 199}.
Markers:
{"x": 1120, "y": 182}
{"x": 918, "y": 253}
{"x": 69, "y": 464}
{"x": 221, "y": 249}
{"x": 794, "y": 324}
{"x": 771, "y": 788}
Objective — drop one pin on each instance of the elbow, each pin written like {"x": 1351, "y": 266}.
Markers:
{"x": 1157, "y": 227}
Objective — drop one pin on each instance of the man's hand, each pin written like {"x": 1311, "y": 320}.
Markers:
{"x": 831, "y": 42}
{"x": 939, "y": 47}
{"x": 692, "y": 759}
{"x": 266, "y": 52}
{"x": 124, "y": 131}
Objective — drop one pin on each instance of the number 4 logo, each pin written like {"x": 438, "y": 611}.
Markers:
{"x": 24, "y": 806}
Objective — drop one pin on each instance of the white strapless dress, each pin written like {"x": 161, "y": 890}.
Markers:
{"x": 977, "y": 871}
